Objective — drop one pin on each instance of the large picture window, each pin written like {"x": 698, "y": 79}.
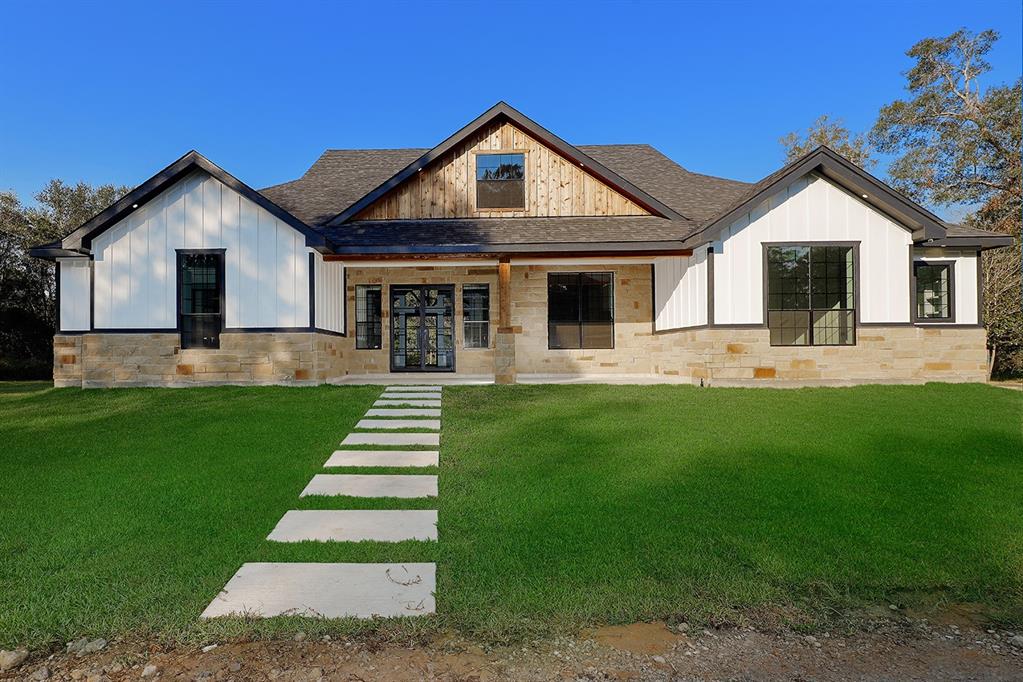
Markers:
{"x": 933, "y": 291}
{"x": 367, "y": 317}
{"x": 476, "y": 315}
{"x": 580, "y": 310}
{"x": 811, "y": 295}
{"x": 500, "y": 181}
{"x": 200, "y": 298}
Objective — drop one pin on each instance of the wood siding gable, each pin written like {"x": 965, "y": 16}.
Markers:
{"x": 555, "y": 186}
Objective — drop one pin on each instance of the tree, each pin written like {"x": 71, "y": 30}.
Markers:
{"x": 27, "y": 287}
{"x": 958, "y": 143}
{"x": 829, "y": 133}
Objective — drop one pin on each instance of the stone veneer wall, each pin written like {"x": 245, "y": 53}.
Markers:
{"x": 468, "y": 361}
{"x": 897, "y": 354}
{"x": 143, "y": 359}
{"x": 633, "y": 323}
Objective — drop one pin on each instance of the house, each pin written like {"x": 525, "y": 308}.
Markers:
{"x": 505, "y": 253}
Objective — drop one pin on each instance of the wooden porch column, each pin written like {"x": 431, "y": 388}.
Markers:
{"x": 504, "y": 347}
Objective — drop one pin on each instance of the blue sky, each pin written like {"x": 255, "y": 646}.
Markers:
{"x": 108, "y": 92}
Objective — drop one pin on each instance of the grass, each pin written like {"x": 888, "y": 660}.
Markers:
{"x": 560, "y": 506}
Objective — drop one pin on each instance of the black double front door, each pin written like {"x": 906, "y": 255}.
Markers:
{"x": 422, "y": 328}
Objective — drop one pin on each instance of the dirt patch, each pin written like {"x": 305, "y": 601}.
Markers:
{"x": 643, "y": 651}
{"x": 637, "y": 638}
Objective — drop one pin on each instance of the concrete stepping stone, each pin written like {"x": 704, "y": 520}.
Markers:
{"x": 386, "y": 402}
{"x": 399, "y": 424}
{"x": 372, "y": 485}
{"x": 327, "y": 590}
{"x": 412, "y": 387}
{"x": 400, "y": 412}
{"x": 392, "y": 439}
{"x": 383, "y": 458}
{"x": 349, "y": 525}
{"x": 413, "y": 395}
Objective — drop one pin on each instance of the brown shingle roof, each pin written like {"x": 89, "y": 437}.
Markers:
{"x": 490, "y": 234}
{"x": 340, "y": 177}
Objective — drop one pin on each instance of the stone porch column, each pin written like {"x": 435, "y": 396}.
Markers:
{"x": 504, "y": 346}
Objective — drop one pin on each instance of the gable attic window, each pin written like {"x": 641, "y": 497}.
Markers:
{"x": 500, "y": 181}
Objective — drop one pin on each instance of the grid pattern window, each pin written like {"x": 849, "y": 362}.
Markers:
{"x": 933, "y": 291}
{"x": 811, "y": 299}
{"x": 367, "y": 317}
{"x": 200, "y": 299}
{"x": 580, "y": 310}
{"x": 500, "y": 181}
{"x": 476, "y": 315}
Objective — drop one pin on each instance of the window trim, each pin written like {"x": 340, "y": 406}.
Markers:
{"x": 614, "y": 317}
{"x": 476, "y": 153}
{"x": 355, "y": 317}
{"x": 221, "y": 286}
{"x": 949, "y": 263}
{"x": 764, "y": 246}
{"x": 489, "y": 320}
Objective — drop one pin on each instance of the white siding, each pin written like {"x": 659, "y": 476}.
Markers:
{"x": 266, "y": 263}
{"x": 330, "y": 298}
{"x": 812, "y": 209}
{"x": 964, "y": 277}
{"x": 74, "y": 294}
{"x": 680, "y": 291}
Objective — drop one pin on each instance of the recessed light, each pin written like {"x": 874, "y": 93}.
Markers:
{"x": 864, "y": 196}
{"x": 136, "y": 205}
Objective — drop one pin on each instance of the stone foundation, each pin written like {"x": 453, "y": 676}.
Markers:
{"x": 897, "y": 354}
{"x": 110, "y": 360}
{"x": 718, "y": 356}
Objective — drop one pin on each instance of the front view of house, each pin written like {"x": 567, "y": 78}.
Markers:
{"x": 507, "y": 254}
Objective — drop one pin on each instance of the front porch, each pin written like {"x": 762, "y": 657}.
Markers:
{"x": 483, "y": 321}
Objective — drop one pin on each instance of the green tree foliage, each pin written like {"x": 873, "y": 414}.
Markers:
{"x": 27, "y": 288}
{"x": 831, "y": 133}
{"x": 957, "y": 142}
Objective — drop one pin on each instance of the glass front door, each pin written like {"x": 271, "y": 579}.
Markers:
{"x": 422, "y": 328}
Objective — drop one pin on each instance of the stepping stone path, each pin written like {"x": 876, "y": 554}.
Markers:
{"x": 364, "y": 590}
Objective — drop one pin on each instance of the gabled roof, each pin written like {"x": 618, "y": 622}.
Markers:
{"x": 844, "y": 173}
{"x": 81, "y": 239}
{"x": 498, "y": 112}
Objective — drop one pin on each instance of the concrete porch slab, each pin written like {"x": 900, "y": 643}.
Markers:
{"x": 327, "y": 590}
{"x": 433, "y": 424}
{"x": 383, "y": 458}
{"x": 372, "y": 485}
{"x": 411, "y": 402}
{"x": 402, "y": 412}
{"x": 392, "y": 439}
{"x": 412, "y": 388}
{"x": 414, "y": 395}
{"x": 346, "y": 525}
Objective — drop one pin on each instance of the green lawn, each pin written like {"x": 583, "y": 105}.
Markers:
{"x": 560, "y": 506}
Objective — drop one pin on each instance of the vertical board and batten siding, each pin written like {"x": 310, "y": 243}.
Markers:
{"x": 74, "y": 294}
{"x": 266, "y": 262}
{"x": 447, "y": 187}
{"x": 330, "y": 294}
{"x": 680, "y": 291}
{"x": 812, "y": 209}
{"x": 964, "y": 289}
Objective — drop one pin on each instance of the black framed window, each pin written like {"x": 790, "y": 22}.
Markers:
{"x": 580, "y": 310}
{"x": 500, "y": 181}
{"x": 476, "y": 315}
{"x": 934, "y": 287}
{"x": 367, "y": 317}
{"x": 811, "y": 295}
{"x": 200, "y": 298}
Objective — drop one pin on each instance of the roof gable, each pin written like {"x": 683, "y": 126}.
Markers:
{"x": 922, "y": 223}
{"x": 501, "y": 113}
{"x": 81, "y": 239}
